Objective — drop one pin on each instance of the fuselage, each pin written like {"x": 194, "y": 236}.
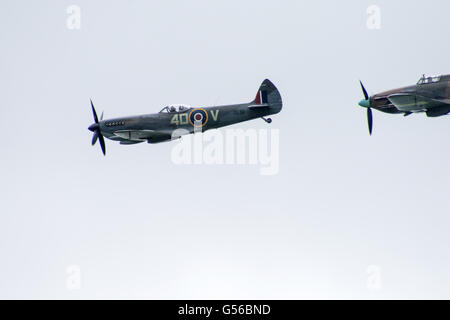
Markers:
{"x": 433, "y": 90}
{"x": 174, "y": 121}
{"x": 190, "y": 120}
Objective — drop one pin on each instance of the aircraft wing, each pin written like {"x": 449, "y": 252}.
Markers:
{"x": 412, "y": 102}
{"x": 141, "y": 135}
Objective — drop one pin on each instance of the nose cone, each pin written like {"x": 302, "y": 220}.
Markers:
{"x": 365, "y": 103}
{"x": 93, "y": 127}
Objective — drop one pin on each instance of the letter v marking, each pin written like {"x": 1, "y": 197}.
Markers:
{"x": 215, "y": 115}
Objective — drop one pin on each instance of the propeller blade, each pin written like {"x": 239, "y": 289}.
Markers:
{"x": 95, "y": 113}
{"x": 95, "y": 137}
{"x": 366, "y": 96}
{"x": 102, "y": 143}
{"x": 96, "y": 129}
{"x": 370, "y": 120}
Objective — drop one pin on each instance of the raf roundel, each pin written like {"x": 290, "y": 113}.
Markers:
{"x": 198, "y": 117}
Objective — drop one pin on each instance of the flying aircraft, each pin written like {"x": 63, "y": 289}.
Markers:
{"x": 430, "y": 95}
{"x": 159, "y": 127}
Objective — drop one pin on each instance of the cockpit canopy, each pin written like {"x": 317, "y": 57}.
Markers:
{"x": 175, "y": 108}
{"x": 429, "y": 79}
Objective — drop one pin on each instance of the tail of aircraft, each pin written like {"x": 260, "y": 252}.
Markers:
{"x": 267, "y": 96}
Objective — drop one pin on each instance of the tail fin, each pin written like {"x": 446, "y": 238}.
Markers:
{"x": 267, "y": 96}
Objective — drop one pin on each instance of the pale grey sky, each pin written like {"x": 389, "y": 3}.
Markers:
{"x": 139, "y": 226}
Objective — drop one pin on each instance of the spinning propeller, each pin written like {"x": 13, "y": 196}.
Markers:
{"x": 366, "y": 104}
{"x": 95, "y": 128}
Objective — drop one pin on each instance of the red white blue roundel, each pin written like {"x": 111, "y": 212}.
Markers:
{"x": 198, "y": 117}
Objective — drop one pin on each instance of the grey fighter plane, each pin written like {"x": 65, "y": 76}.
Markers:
{"x": 161, "y": 126}
{"x": 430, "y": 95}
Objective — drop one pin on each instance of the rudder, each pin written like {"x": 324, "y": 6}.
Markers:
{"x": 268, "y": 96}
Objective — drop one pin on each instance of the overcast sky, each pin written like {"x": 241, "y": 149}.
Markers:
{"x": 138, "y": 226}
